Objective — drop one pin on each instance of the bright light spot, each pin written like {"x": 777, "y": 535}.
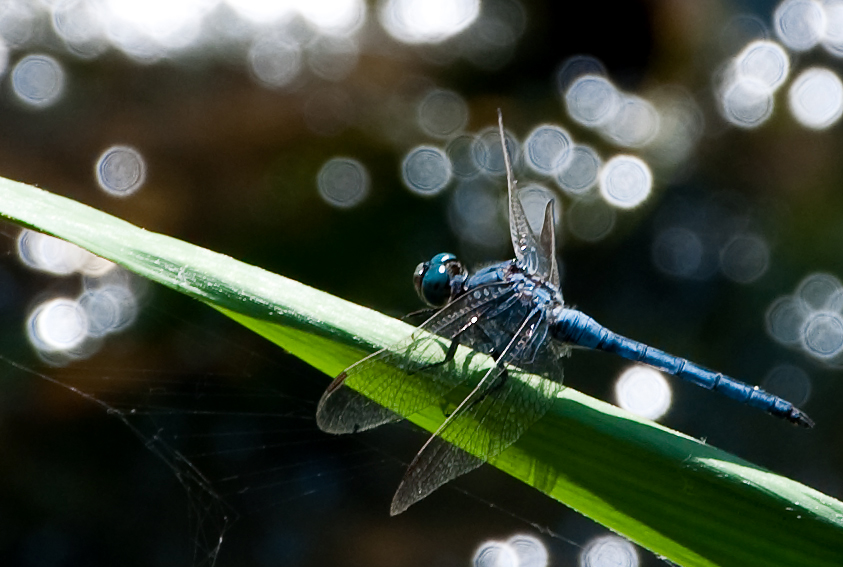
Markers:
{"x": 335, "y": 17}
{"x": 579, "y": 172}
{"x": 745, "y": 258}
{"x": 592, "y": 101}
{"x": 274, "y": 60}
{"x": 800, "y": 24}
{"x": 811, "y": 318}
{"x": 678, "y": 252}
{"x": 746, "y": 102}
{"x": 343, "y": 182}
{"x": 18, "y": 20}
{"x": 120, "y": 171}
{"x": 427, "y": 21}
{"x": 625, "y": 181}
{"x": 488, "y": 153}
{"x": 764, "y": 61}
{"x": 80, "y": 25}
{"x": 590, "y": 220}
{"x": 819, "y": 291}
{"x": 643, "y": 391}
{"x": 96, "y": 267}
{"x": 57, "y": 325}
{"x": 746, "y": 94}
{"x": 263, "y": 11}
{"x": 609, "y": 551}
{"x": 461, "y": 153}
{"x": 490, "y": 41}
{"x": 635, "y": 123}
{"x": 788, "y": 382}
{"x": 109, "y": 309}
{"x": 833, "y": 39}
{"x": 785, "y": 318}
{"x": 534, "y": 199}
{"x": 575, "y": 67}
{"x": 332, "y": 58}
{"x": 59, "y": 329}
{"x": 547, "y": 149}
{"x": 172, "y": 24}
{"x": 38, "y": 80}
{"x": 816, "y": 98}
{"x": 495, "y": 554}
{"x": 441, "y": 113}
{"x": 530, "y": 550}
{"x": 426, "y": 170}
{"x": 517, "y": 551}
{"x": 50, "y": 254}
{"x": 823, "y": 334}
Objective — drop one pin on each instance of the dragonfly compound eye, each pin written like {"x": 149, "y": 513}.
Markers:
{"x": 435, "y": 280}
{"x": 436, "y": 285}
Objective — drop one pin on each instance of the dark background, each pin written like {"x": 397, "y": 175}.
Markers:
{"x": 232, "y": 167}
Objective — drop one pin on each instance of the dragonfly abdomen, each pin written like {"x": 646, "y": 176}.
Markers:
{"x": 575, "y": 327}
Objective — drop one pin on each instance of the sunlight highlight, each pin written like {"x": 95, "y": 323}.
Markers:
{"x": 625, "y": 181}
{"x": 38, "y": 80}
{"x": 811, "y": 319}
{"x": 120, "y": 171}
{"x": 427, "y": 21}
{"x": 609, "y": 551}
{"x": 816, "y": 98}
{"x": 426, "y": 170}
{"x": 168, "y": 24}
{"x": 643, "y": 391}
{"x": 343, "y": 182}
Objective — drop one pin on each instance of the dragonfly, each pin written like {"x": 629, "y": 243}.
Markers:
{"x": 514, "y": 312}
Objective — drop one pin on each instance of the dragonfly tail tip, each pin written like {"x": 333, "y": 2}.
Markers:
{"x": 805, "y": 421}
{"x": 800, "y": 418}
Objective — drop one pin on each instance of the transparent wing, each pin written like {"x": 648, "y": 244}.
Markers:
{"x": 536, "y": 254}
{"x": 490, "y": 419}
{"x": 547, "y": 240}
{"x": 405, "y": 376}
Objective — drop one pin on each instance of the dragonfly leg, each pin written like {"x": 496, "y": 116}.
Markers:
{"x": 504, "y": 374}
{"x": 422, "y": 314}
{"x": 449, "y": 356}
{"x": 455, "y": 340}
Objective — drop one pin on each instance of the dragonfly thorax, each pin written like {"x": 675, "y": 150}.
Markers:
{"x": 439, "y": 280}
{"x": 534, "y": 290}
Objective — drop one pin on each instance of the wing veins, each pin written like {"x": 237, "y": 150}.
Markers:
{"x": 344, "y": 410}
{"x": 440, "y": 460}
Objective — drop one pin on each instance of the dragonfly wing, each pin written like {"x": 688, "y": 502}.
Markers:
{"x": 404, "y": 376}
{"x": 548, "y": 244}
{"x": 490, "y": 419}
{"x": 437, "y": 464}
{"x": 343, "y": 410}
{"x": 528, "y": 247}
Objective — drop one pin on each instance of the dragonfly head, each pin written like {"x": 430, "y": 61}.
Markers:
{"x": 438, "y": 280}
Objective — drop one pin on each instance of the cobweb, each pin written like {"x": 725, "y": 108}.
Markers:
{"x": 238, "y": 452}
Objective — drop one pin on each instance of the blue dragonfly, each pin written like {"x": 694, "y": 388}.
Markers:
{"x": 514, "y": 312}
